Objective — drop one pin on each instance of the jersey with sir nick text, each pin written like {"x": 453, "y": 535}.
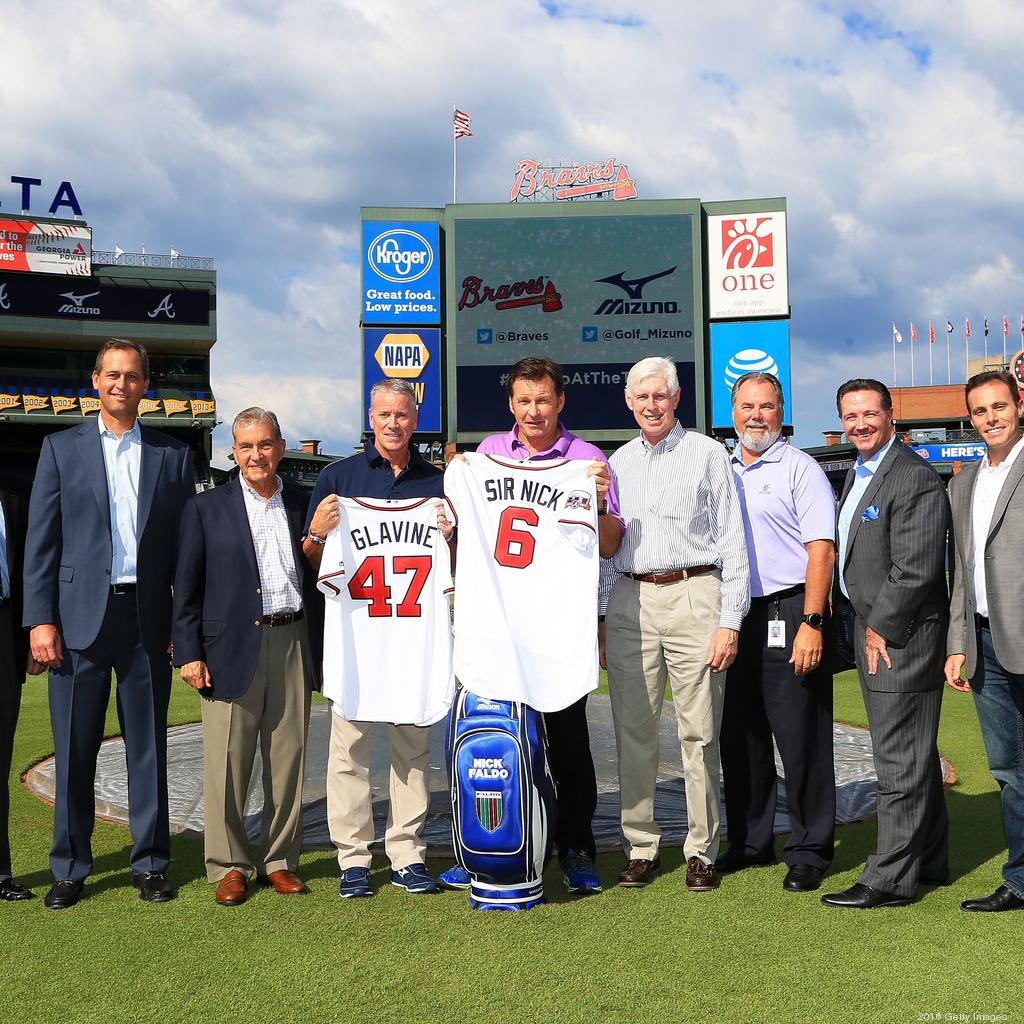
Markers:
{"x": 386, "y": 574}
{"x": 526, "y": 581}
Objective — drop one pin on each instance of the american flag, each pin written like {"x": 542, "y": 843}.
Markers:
{"x": 461, "y": 124}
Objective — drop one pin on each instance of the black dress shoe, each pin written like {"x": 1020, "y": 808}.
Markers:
{"x": 153, "y": 887}
{"x": 863, "y": 897}
{"x": 1001, "y": 899}
{"x": 802, "y": 878}
{"x": 734, "y": 859}
{"x": 11, "y": 890}
{"x": 63, "y": 894}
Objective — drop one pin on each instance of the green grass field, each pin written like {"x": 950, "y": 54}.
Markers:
{"x": 749, "y": 952}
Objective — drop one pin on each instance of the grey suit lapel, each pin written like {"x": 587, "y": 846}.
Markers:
{"x": 91, "y": 450}
{"x": 1005, "y": 493}
{"x": 963, "y": 513}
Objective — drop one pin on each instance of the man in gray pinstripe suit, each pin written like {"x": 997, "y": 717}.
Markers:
{"x": 893, "y": 522}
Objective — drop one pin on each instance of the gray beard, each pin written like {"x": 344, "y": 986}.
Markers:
{"x": 759, "y": 447}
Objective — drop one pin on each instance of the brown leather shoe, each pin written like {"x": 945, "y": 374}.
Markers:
{"x": 232, "y": 890}
{"x": 639, "y": 873}
{"x": 287, "y": 883}
{"x": 700, "y": 877}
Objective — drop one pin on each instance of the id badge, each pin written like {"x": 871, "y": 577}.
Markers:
{"x": 776, "y": 633}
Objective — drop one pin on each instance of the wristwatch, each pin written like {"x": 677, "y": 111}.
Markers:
{"x": 813, "y": 619}
{"x": 314, "y": 539}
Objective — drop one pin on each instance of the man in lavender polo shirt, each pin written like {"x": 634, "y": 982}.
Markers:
{"x": 536, "y": 397}
{"x": 781, "y": 681}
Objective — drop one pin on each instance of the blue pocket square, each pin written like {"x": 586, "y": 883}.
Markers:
{"x": 870, "y": 514}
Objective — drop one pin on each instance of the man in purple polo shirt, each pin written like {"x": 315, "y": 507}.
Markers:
{"x": 536, "y": 397}
{"x": 781, "y": 682}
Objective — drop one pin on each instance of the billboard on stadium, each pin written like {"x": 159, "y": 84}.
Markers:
{"x": 595, "y": 293}
{"x": 406, "y": 354}
{"x": 746, "y": 347}
{"x": 748, "y": 275}
{"x": 39, "y": 296}
{"x": 30, "y": 247}
{"x": 401, "y": 272}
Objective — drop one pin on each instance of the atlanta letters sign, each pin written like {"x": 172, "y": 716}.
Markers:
{"x": 748, "y": 273}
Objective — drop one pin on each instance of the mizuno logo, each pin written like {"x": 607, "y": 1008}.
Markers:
{"x": 78, "y": 299}
{"x": 74, "y": 304}
{"x": 634, "y": 288}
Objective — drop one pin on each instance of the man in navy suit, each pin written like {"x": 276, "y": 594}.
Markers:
{"x": 243, "y": 599}
{"x": 99, "y": 564}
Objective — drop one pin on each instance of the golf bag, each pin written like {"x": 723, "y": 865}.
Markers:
{"x": 503, "y": 800}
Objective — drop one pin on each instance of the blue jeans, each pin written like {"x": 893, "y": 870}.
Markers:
{"x": 999, "y": 699}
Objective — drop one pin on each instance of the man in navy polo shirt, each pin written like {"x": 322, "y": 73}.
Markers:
{"x": 389, "y": 467}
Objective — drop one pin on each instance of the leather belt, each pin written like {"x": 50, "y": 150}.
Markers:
{"x": 670, "y": 575}
{"x": 780, "y": 595}
{"x": 281, "y": 618}
{"x": 123, "y": 588}
{"x": 981, "y": 622}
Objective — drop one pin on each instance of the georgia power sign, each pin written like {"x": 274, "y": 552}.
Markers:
{"x": 747, "y": 267}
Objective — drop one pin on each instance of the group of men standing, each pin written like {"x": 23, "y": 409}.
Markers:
{"x": 715, "y": 579}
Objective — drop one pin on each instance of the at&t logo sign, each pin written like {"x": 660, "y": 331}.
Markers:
{"x": 400, "y": 255}
{"x": 750, "y": 360}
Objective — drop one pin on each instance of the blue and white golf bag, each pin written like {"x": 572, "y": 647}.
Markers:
{"x": 503, "y": 800}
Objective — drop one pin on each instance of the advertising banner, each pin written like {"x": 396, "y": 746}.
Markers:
{"x": 593, "y": 293}
{"x": 968, "y": 452}
{"x": 401, "y": 272}
{"x": 748, "y": 272}
{"x": 22, "y": 295}
{"x": 26, "y": 246}
{"x": 742, "y": 348}
{"x": 404, "y": 354}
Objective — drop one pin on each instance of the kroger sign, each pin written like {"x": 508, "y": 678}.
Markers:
{"x": 401, "y": 272}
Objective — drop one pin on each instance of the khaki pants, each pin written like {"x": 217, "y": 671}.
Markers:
{"x": 349, "y": 806}
{"x": 658, "y": 633}
{"x": 275, "y": 711}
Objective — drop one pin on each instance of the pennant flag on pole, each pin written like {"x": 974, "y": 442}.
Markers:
{"x": 1006, "y": 326}
{"x": 460, "y": 123}
{"x": 931, "y": 333}
{"x": 986, "y": 327}
{"x": 949, "y": 327}
{"x": 896, "y": 336}
{"x": 913, "y": 333}
{"x": 967, "y": 327}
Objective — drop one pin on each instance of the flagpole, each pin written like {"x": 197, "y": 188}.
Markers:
{"x": 1005, "y": 329}
{"x": 949, "y": 368}
{"x": 984, "y": 365}
{"x": 912, "y": 355}
{"x": 894, "y": 355}
{"x": 967, "y": 357}
{"x": 455, "y": 159}
{"x": 931, "y": 345}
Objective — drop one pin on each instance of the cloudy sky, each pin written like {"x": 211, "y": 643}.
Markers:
{"x": 253, "y": 132}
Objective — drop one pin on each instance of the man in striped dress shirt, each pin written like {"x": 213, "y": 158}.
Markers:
{"x": 672, "y": 600}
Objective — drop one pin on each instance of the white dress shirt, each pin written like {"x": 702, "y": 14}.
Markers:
{"x": 123, "y": 460}
{"x": 5, "y": 570}
{"x": 864, "y": 473}
{"x": 988, "y": 483}
{"x": 275, "y": 558}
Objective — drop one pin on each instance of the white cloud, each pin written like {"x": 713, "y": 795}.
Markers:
{"x": 253, "y": 131}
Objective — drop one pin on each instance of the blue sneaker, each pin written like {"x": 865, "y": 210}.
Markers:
{"x": 455, "y": 878}
{"x": 581, "y": 878}
{"x": 415, "y": 879}
{"x": 355, "y": 882}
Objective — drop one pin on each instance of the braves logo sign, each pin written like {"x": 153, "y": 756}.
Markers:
{"x": 513, "y": 295}
{"x": 575, "y": 182}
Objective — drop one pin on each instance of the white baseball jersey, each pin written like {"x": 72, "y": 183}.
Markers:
{"x": 526, "y": 591}
{"x": 386, "y": 573}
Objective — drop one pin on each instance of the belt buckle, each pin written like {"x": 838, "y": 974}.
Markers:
{"x": 685, "y": 576}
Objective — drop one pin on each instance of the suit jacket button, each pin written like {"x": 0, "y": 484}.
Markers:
{"x": 259, "y": 590}
{"x": 256, "y": 622}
